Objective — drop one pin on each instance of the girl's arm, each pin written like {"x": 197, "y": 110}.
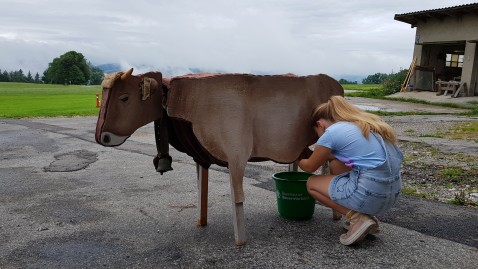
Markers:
{"x": 320, "y": 155}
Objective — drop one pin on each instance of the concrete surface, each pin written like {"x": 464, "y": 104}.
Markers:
{"x": 394, "y": 106}
{"x": 433, "y": 98}
{"x": 67, "y": 202}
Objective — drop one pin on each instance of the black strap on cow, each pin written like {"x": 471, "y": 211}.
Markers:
{"x": 162, "y": 161}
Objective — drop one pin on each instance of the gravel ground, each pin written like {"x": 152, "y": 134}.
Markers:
{"x": 437, "y": 165}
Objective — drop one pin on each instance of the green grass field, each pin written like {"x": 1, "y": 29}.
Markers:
{"x": 20, "y": 100}
{"x": 364, "y": 90}
{"x": 361, "y": 87}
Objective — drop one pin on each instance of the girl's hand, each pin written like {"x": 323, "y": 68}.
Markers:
{"x": 319, "y": 156}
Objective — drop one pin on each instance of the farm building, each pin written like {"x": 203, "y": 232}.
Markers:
{"x": 445, "y": 55}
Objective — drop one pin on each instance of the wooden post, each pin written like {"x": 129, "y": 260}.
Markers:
{"x": 97, "y": 100}
{"x": 203, "y": 178}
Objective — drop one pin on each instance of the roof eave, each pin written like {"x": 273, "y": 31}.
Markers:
{"x": 413, "y": 18}
{"x": 407, "y": 19}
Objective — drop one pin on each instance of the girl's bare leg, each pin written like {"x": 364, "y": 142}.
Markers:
{"x": 318, "y": 186}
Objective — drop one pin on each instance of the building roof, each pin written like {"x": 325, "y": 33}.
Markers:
{"x": 413, "y": 18}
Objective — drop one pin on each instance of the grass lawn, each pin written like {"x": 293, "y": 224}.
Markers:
{"x": 361, "y": 87}
{"x": 19, "y": 100}
{"x": 364, "y": 90}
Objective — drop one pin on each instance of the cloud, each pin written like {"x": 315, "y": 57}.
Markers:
{"x": 280, "y": 36}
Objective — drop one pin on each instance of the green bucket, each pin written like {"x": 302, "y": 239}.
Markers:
{"x": 293, "y": 200}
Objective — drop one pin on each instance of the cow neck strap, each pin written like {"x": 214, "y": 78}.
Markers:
{"x": 162, "y": 161}
{"x": 164, "y": 136}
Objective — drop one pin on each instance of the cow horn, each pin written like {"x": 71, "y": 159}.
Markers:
{"x": 127, "y": 74}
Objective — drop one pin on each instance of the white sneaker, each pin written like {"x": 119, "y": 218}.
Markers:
{"x": 359, "y": 228}
{"x": 374, "y": 230}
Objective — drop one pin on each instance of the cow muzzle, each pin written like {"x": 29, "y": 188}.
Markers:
{"x": 111, "y": 140}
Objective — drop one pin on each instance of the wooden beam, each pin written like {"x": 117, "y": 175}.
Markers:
{"x": 409, "y": 74}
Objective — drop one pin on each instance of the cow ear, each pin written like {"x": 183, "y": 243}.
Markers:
{"x": 154, "y": 85}
{"x": 148, "y": 86}
{"x": 127, "y": 74}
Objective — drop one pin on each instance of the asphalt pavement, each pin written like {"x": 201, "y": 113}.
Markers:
{"x": 67, "y": 202}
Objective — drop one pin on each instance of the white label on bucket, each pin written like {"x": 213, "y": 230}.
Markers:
{"x": 293, "y": 196}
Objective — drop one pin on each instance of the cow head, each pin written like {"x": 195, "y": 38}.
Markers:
{"x": 128, "y": 103}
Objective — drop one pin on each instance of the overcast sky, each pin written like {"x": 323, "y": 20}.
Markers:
{"x": 272, "y": 36}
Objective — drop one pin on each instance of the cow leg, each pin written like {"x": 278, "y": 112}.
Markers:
{"x": 236, "y": 174}
{"x": 294, "y": 166}
{"x": 203, "y": 178}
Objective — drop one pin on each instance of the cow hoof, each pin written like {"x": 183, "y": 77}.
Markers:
{"x": 240, "y": 243}
{"x": 201, "y": 223}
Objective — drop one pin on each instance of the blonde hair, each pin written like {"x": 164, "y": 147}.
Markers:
{"x": 338, "y": 109}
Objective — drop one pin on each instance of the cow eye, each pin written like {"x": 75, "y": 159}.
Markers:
{"x": 124, "y": 97}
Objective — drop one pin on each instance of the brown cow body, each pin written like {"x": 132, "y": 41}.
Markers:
{"x": 234, "y": 117}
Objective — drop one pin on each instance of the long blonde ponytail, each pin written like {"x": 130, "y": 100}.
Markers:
{"x": 338, "y": 109}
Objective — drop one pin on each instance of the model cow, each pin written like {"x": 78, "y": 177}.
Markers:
{"x": 223, "y": 119}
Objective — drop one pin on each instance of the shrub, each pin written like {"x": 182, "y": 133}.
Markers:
{"x": 393, "y": 82}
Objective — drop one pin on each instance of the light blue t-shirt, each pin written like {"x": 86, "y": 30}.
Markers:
{"x": 348, "y": 144}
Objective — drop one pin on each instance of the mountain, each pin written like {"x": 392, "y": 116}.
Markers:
{"x": 167, "y": 71}
{"x": 109, "y": 68}
{"x": 351, "y": 78}
{"x": 170, "y": 71}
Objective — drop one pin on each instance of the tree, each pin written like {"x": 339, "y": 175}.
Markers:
{"x": 69, "y": 68}
{"x": 96, "y": 75}
{"x": 46, "y": 77}
{"x": 17, "y": 76}
{"x": 4, "y": 76}
{"x": 344, "y": 81}
{"x": 29, "y": 77}
{"x": 37, "y": 78}
{"x": 376, "y": 78}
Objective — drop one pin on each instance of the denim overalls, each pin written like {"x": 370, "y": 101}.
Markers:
{"x": 370, "y": 191}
